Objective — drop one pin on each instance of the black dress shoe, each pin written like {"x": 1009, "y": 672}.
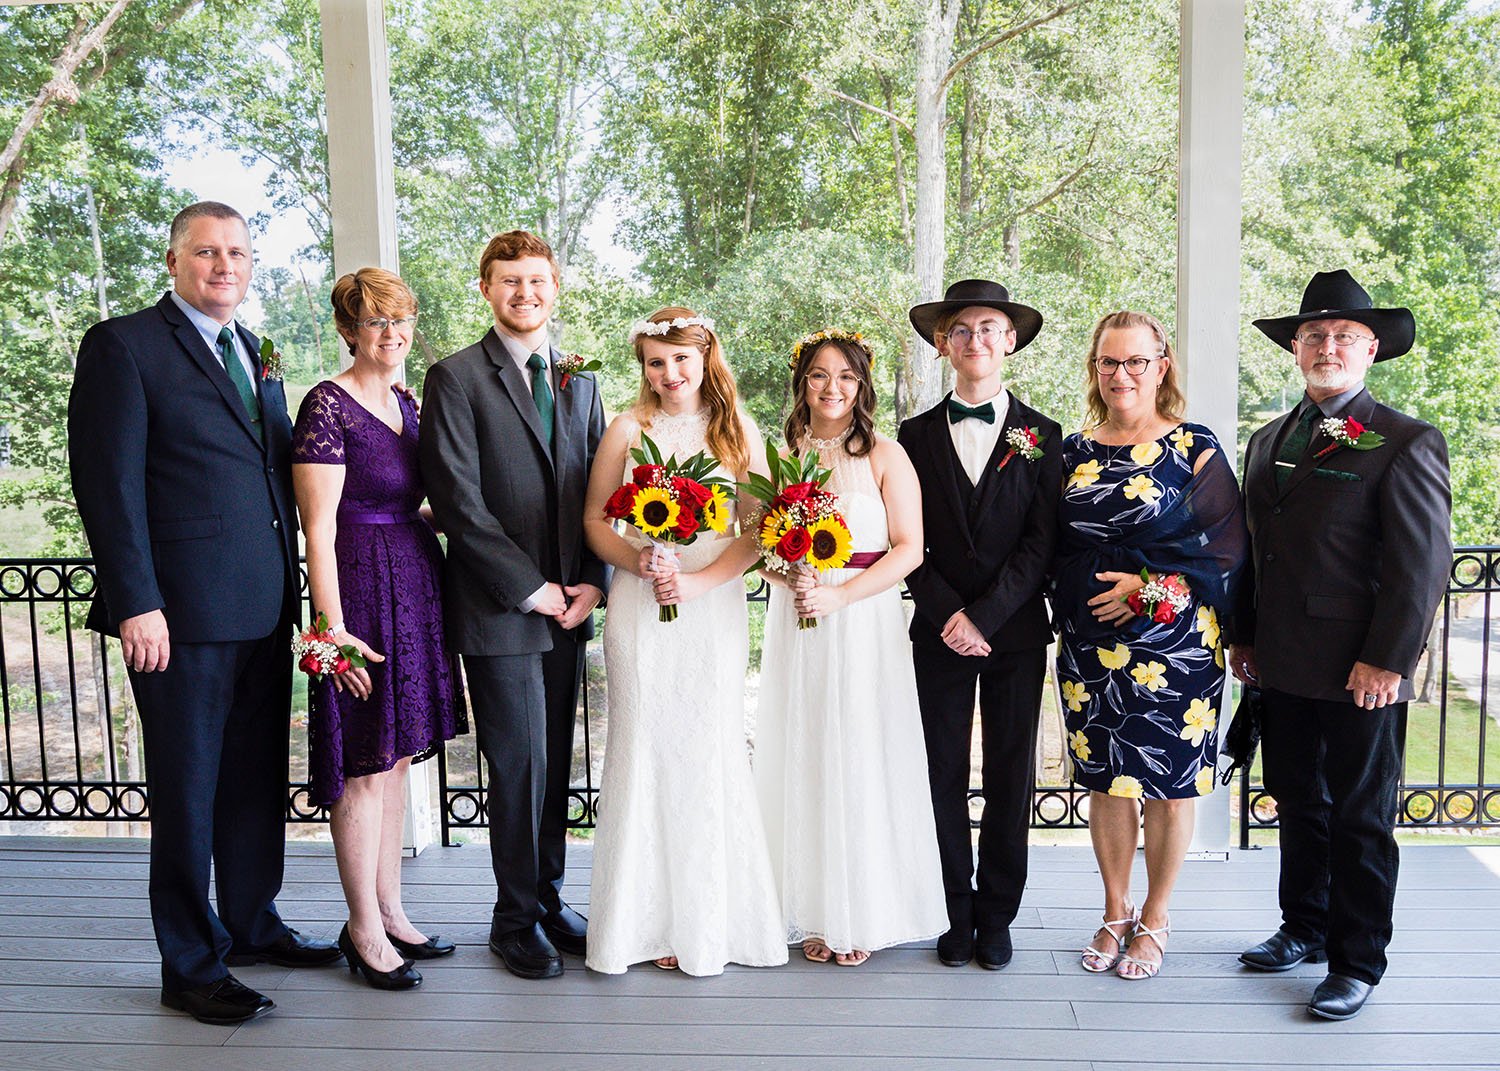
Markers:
{"x": 1281, "y": 952}
{"x": 567, "y": 930}
{"x": 956, "y": 947}
{"x": 405, "y": 976}
{"x": 1339, "y": 997}
{"x": 993, "y": 948}
{"x": 291, "y": 949}
{"x": 222, "y": 1003}
{"x": 527, "y": 952}
{"x": 432, "y": 948}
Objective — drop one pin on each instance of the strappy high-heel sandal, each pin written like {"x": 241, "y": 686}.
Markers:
{"x": 1148, "y": 969}
{"x": 1096, "y": 962}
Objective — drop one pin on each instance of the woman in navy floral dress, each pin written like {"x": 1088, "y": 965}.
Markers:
{"x": 1143, "y": 490}
{"x": 373, "y": 567}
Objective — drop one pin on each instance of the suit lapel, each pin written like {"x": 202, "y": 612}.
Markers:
{"x": 208, "y": 363}
{"x": 519, "y": 390}
{"x": 945, "y": 466}
{"x": 1360, "y": 408}
{"x": 564, "y": 414}
{"x": 991, "y": 478}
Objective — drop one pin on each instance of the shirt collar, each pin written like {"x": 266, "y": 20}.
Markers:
{"x": 1000, "y": 401}
{"x": 519, "y": 353}
{"x": 1331, "y": 407}
{"x": 207, "y": 326}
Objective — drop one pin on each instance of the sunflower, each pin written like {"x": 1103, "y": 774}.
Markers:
{"x": 716, "y": 511}
{"x": 832, "y": 544}
{"x": 654, "y": 511}
{"x": 772, "y": 527}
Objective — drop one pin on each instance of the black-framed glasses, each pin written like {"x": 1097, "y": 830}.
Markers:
{"x": 1342, "y": 339}
{"x": 380, "y": 323}
{"x": 1108, "y": 366}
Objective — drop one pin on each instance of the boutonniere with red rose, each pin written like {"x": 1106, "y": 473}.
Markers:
{"x": 272, "y": 367}
{"x": 1347, "y": 432}
{"x": 1025, "y": 442}
{"x": 801, "y": 526}
{"x": 670, "y": 501}
{"x": 319, "y": 653}
{"x": 1161, "y": 599}
{"x": 570, "y": 365}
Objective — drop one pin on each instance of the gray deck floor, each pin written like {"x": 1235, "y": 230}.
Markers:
{"x": 78, "y": 984}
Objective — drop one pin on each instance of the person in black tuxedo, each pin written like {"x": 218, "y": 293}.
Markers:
{"x": 506, "y": 447}
{"x": 180, "y": 450}
{"x": 989, "y": 511}
{"x": 1351, "y": 552}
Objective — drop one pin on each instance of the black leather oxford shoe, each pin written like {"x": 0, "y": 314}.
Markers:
{"x": 993, "y": 949}
{"x": 222, "y": 1003}
{"x": 527, "y": 952}
{"x": 956, "y": 947}
{"x": 1339, "y": 997}
{"x": 1281, "y": 952}
{"x": 291, "y": 949}
{"x": 567, "y": 930}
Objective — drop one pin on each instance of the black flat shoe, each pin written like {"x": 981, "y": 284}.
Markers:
{"x": 992, "y": 948}
{"x": 291, "y": 949}
{"x": 222, "y": 1003}
{"x": 567, "y": 930}
{"x": 956, "y": 947}
{"x": 1339, "y": 997}
{"x": 527, "y": 952}
{"x": 432, "y": 948}
{"x": 1281, "y": 952}
{"x": 402, "y": 977}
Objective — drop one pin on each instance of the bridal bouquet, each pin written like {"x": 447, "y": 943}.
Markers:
{"x": 800, "y": 527}
{"x": 318, "y": 652}
{"x": 671, "y": 501}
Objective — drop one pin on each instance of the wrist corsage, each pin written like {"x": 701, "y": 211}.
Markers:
{"x": 1162, "y": 599}
{"x": 1347, "y": 432}
{"x": 1027, "y": 442}
{"x": 319, "y": 653}
{"x": 570, "y": 365}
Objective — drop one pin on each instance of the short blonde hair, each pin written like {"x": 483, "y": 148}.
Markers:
{"x": 1170, "y": 402}
{"x": 369, "y": 292}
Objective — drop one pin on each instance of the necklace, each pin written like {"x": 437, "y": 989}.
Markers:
{"x": 828, "y": 444}
{"x": 1134, "y": 441}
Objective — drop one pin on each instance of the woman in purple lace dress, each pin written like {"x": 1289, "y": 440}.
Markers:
{"x": 373, "y": 567}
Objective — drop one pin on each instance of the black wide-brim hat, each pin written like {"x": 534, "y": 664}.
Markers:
{"x": 967, "y": 292}
{"x": 1334, "y": 295}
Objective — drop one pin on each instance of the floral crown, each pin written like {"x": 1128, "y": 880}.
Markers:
{"x": 661, "y": 327}
{"x": 808, "y": 343}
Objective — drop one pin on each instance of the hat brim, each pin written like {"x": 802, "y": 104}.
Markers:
{"x": 1395, "y": 328}
{"x": 1026, "y": 320}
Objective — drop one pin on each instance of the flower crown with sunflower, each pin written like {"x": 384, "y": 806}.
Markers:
{"x": 808, "y": 343}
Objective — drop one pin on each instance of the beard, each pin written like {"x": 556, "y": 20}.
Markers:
{"x": 1337, "y": 378}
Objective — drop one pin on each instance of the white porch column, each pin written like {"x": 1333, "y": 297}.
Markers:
{"x": 1210, "y": 112}
{"x": 362, "y": 194}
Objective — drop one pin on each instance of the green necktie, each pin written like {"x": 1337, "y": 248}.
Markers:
{"x": 957, "y": 411}
{"x": 1295, "y": 445}
{"x": 237, "y": 374}
{"x": 541, "y": 392}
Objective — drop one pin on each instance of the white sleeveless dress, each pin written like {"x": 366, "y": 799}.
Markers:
{"x": 681, "y": 866}
{"x": 840, "y": 763}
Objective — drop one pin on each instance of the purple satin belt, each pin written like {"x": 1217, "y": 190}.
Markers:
{"x": 355, "y": 516}
{"x": 864, "y": 559}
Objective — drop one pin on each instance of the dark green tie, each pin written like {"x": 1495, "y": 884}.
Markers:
{"x": 1295, "y": 445}
{"x": 541, "y": 392}
{"x": 957, "y": 411}
{"x": 237, "y": 374}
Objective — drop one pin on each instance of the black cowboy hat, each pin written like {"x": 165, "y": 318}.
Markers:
{"x": 966, "y": 292}
{"x": 1334, "y": 295}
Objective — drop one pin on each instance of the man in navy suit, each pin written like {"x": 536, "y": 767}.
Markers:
{"x": 180, "y": 452}
{"x": 989, "y": 514}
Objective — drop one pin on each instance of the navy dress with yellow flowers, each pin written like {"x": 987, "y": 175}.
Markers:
{"x": 1142, "y": 699}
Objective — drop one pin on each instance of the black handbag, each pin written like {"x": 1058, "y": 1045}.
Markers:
{"x": 1243, "y": 735}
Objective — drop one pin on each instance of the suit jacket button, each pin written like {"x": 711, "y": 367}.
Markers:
{"x": 971, "y": 555}
{"x": 275, "y": 523}
{"x": 1276, "y": 510}
{"x": 1270, "y": 557}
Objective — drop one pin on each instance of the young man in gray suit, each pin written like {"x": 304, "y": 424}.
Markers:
{"x": 1348, "y": 506}
{"x": 506, "y": 448}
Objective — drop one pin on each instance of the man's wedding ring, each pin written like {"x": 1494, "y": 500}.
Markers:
{"x": 1370, "y": 697}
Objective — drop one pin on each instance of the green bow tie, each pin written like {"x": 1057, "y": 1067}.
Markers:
{"x": 957, "y": 411}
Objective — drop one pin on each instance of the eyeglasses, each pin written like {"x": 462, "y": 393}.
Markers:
{"x": 1108, "y": 366}
{"x": 989, "y": 334}
{"x": 380, "y": 323}
{"x": 1343, "y": 340}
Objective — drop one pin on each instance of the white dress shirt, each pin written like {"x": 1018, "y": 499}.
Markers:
{"x": 209, "y": 328}
{"x": 974, "y": 440}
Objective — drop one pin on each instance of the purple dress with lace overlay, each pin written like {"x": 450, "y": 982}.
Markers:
{"x": 389, "y": 569}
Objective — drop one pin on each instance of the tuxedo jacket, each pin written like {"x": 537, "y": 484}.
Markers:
{"x": 510, "y": 502}
{"x": 987, "y": 547}
{"x": 186, "y": 507}
{"x": 1349, "y": 558}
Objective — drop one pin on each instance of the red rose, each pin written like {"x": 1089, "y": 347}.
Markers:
{"x": 797, "y": 492}
{"x": 618, "y": 506}
{"x": 310, "y": 663}
{"x": 342, "y": 665}
{"x": 690, "y": 492}
{"x": 645, "y": 474}
{"x": 1136, "y": 603}
{"x": 1165, "y": 613}
{"x": 1353, "y": 428}
{"x": 687, "y": 524}
{"x": 794, "y": 545}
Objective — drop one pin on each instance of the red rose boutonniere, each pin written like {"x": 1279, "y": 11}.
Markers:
{"x": 1026, "y": 442}
{"x": 1347, "y": 432}
{"x": 271, "y": 364}
{"x": 570, "y": 365}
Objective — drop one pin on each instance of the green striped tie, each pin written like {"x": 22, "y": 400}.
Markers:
{"x": 541, "y": 392}
{"x": 1295, "y": 446}
{"x": 237, "y": 374}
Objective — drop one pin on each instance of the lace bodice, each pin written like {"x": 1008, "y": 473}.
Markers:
{"x": 853, "y": 480}
{"x": 682, "y": 435}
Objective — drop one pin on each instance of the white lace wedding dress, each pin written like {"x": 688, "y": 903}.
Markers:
{"x": 840, "y": 763}
{"x": 680, "y": 860}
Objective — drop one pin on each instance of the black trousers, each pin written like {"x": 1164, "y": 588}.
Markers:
{"x": 1010, "y": 697}
{"x": 215, "y": 727}
{"x": 1334, "y": 770}
{"x": 524, "y": 712}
